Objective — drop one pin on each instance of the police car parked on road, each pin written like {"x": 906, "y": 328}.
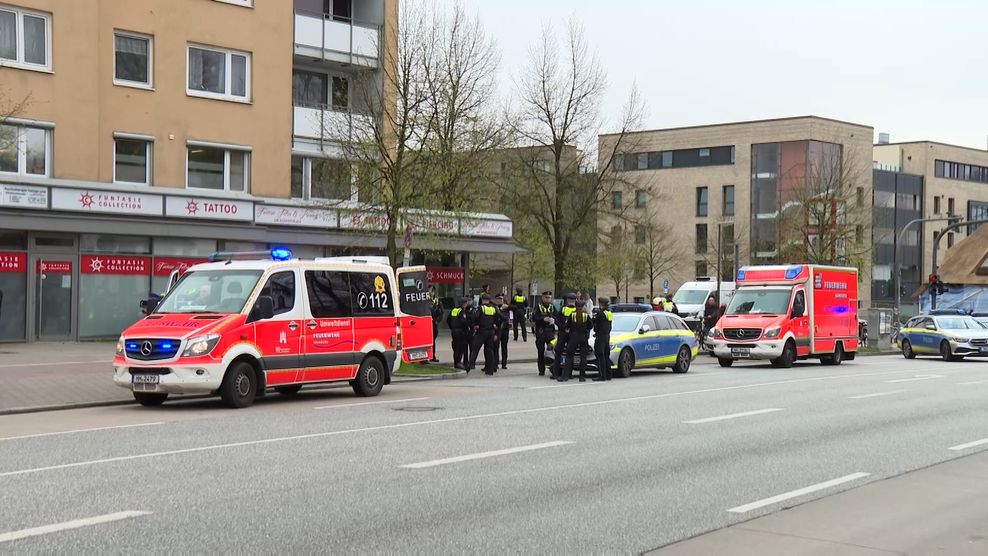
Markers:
{"x": 951, "y": 336}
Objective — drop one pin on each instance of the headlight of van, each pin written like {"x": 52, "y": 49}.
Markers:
{"x": 201, "y": 345}
{"x": 772, "y": 332}
{"x": 716, "y": 333}
{"x": 120, "y": 346}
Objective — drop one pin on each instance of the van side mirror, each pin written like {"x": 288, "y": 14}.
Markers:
{"x": 148, "y": 305}
{"x": 263, "y": 309}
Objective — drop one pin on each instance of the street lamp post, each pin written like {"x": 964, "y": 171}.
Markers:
{"x": 898, "y": 267}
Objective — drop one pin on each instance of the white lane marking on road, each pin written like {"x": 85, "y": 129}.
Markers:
{"x": 67, "y": 525}
{"x": 54, "y": 364}
{"x": 590, "y": 383}
{"x": 369, "y": 403}
{"x": 735, "y": 415}
{"x": 430, "y": 422}
{"x": 913, "y": 379}
{"x": 482, "y": 455}
{"x": 972, "y": 382}
{"x": 976, "y": 443}
{"x": 74, "y": 431}
{"x": 875, "y": 395}
{"x": 798, "y": 492}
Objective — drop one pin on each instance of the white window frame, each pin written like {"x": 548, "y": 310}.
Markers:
{"x": 307, "y": 179}
{"x": 149, "y": 85}
{"x": 21, "y": 147}
{"x": 148, "y": 154}
{"x": 18, "y": 61}
{"x": 243, "y": 3}
{"x": 228, "y": 78}
{"x": 248, "y": 151}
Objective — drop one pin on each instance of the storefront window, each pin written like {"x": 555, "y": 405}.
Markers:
{"x": 111, "y": 288}
{"x": 13, "y": 295}
{"x": 13, "y": 240}
{"x": 97, "y": 243}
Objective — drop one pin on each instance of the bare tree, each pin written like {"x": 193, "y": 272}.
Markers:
{"x": 824, "y": 216}
{"x": 657, "y": 251}
{"x": 559, "y": 116}
{"x": 10, "y": 108}
{"x": 617, "y": 260}
{"x": 733, "y": 232}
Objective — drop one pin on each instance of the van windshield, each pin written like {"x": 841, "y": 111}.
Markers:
{"x": 691, "y": 297}
{"x": 210, "y": 291}
{"x": 760, "y": 301}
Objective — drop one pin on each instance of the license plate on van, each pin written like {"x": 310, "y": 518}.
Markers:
{"x": 144, "y": 379}
{"x": 417, "y": 354}
{"x": 741, "y": 352}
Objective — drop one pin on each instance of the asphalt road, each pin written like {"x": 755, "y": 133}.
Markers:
{"x": 506, "y": 463}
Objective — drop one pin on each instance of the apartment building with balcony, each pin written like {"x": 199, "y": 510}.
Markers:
{"x": 732, "y": 177}
{"x": 139, "y": 137}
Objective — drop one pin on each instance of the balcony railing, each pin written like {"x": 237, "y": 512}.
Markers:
{"x": 321, "y": 37}
{"x": 326, "y": 125}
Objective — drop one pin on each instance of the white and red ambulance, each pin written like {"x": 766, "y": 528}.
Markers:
{"x": 789, "y": 312}
{"x": 238, "y": 327}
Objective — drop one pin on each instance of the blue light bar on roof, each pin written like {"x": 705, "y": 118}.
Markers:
{"x": 281, "y": 254}
{"x": 793, "y": 271}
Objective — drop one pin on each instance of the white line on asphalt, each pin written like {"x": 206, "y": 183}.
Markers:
{"x": 799, "y": 492}
{"x": 591, "y": 383}
{"x": 369, "y": 403}
{"x": 482, "y": 455}
{"x": 875, "y": 395}
{"x": 81, "y": 430}
{"x": 969, "y": 445}
{"x": 734, "y": 415}
{"x": 913, "y": 379}
{"x": 54, "y": 364}
{"x": 67, "y": 525}
{"x": 431, "y": 422}
{"x": 972, "y": 382}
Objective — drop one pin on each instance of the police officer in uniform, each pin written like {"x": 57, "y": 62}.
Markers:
{"x": 504, "y": 327}
{"x": 602, "y": 320}
{"x": 437, "y": 314}
{"x": 577, "y": 325}
{"x": 484, "y": 323}
{"x": 519, "y": 304}
{"x": 459, "y": 327}
{"x": 562, "y": 334}
{"x": 543, "y": 317}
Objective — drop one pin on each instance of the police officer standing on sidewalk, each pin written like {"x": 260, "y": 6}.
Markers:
{"x": 562, "y": 334}
{"x": 437, "y": 315}
{"x": 459, "y": 327}
{"x": 543, "y": 317}
{"x": 484, "y": 324}
{"x": 504, "y": 327}
{"x": 577, "y": 331}
{"x": 519, "y": 305}
{"x": 602, "y": 320}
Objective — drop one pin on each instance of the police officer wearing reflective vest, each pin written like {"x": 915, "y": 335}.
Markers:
{"x": 519, "y": 304}
{"x": 484, "y": 323}
{"x": 577, "y": 325}
{"x": 602, "y": 321}
{"x": 504, "y": 324}
{"x": 459, "y": 327}
{"x": 562, "y": 334}
{"x": 543, "y": 317}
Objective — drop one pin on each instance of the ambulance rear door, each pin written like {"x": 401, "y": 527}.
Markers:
{"x": 414, "y": 313}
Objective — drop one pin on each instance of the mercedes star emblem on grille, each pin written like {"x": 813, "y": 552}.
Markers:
{"x": 146, "y": 348}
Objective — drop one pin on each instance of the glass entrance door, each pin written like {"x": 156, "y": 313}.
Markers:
{"x": 54, "y": 281}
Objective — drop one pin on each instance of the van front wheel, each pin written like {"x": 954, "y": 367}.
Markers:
{"x": 239, "y": 387}
{"x": 369, "y": 379}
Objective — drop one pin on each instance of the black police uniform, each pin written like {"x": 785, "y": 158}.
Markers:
{"x": 459, "y": 324}
{"x": 602, "y": 322}
{"x": 562, "y": 337}
{"x": 519, "y": 303}
{"x": 543, "y": 332}
{"x": 437, "y": 315}
{"x": 485, "y": 320}
{"x": 578, "y": 331}
{"x": 501, "y": 346}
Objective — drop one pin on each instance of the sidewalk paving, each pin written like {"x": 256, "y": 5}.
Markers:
{"x": 53, "y": 375}
{"x": 942, "y": 509}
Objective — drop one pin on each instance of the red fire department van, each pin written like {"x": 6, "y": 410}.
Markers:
{"x": 238, "y": 327}
{"x": 785, "y": 313}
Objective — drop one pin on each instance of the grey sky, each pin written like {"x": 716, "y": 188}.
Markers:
{"x": 916, "y": 69}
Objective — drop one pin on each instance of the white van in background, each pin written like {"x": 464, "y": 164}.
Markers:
{"x": 691, "y": 296}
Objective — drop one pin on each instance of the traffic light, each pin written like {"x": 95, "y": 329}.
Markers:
{"x": 937, "y": 287}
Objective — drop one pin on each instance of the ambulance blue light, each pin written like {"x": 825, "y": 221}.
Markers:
{"x": 131, "y": 346}
{"x": 281, "y": 254}
{"x": 740, "y": 275}
{"x": 793, "y": 271}
{"x": 841, "y": 309}
{"x": 166, "y": 345}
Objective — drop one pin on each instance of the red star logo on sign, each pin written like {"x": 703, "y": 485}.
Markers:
{"x": 192, "y": 207}
{"x": 96, "y": 264}
{"x": 86, "y": 200}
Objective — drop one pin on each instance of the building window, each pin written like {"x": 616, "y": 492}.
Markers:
{"x": 701, "y": 201}
{"x": 667, "y": 159}
{"x": 132, "y": 160}
{"x": 701, "y": 269}
{"x": 616, "y": 201}
{"x": 640, "y": 198}
{"x": 950, "y": 239}
{"x": 704, "y": 153}
{"x": 960, "y": 171}
{"x": 640, "y": 235}
{"x": 950, "y": 206}
{"x": 728, "y": 200}
{"x": 858, "y": 234}
{"x": 309, "y": 89}
{"x": 24, "y": 150}
{"x": 701, "y": 239}
{"x": 936, "y": 204}
{"x": 642, "y": 159}
{"x": 219, "y": 73}
{"x": 132, "y": 59}
{"x": 859, "y": 197}
{"x": 244, "y": 3}
{"x": 25, "y": 38}
{"x": 341, "y": 93}
{"x": 320, "y": 178}
{"x": 223, "y": 169}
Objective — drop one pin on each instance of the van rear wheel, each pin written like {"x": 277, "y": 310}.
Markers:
{"x": 369, "y": 379}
